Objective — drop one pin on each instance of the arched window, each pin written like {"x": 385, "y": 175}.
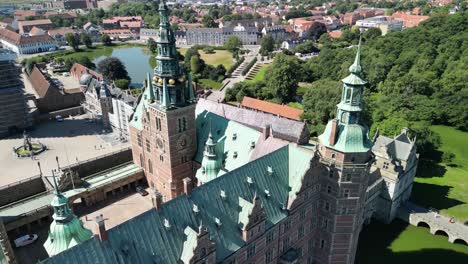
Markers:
{"x": 150, "y": 166}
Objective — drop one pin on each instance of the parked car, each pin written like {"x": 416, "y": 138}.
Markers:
{"x": 59, "y": 118}
{"x": 25, "y": 240}
{"x": 141, "y": 191}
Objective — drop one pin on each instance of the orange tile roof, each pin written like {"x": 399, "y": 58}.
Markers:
{"x": 78, "y": 69}
{"x": 272, "y": 108}
{"x": 335, "y": 34}
{"x": 409, "y": 20}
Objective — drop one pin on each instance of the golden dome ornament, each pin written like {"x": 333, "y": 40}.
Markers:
{"x": 171, "y": 81}
{"x": 155, "y": 79}
{"x": 160, "y": 81}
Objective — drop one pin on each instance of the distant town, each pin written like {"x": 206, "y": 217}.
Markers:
{"x": 299, "y": 131}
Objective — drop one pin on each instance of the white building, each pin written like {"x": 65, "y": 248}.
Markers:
{"x": 26, "y": 44}
{"x": 385, "y": 23}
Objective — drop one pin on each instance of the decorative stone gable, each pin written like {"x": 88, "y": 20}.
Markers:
{"x": 198, "y": 247}
{"x": 252, "y": 218}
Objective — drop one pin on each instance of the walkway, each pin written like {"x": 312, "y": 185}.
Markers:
{"x": 437, "y": 223}
{"x": 39, "y": 202}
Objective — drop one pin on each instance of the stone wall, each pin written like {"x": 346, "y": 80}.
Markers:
{"x": 20, "y": 190}
{"x": 101, "y": 163}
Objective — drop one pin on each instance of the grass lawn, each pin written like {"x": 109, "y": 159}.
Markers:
{"x": 223, "y": 57}
{"x": 401, "y": 243}
{"x": 442, "y": 186}
{"x": 208, "y": 83}
{"x": 296, "y": 105}
{"x": 260, "y": 76}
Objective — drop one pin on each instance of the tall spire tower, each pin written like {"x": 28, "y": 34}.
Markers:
{"x": 162, "y": 128}
{"x": 66, "y": 230}
{"x": 345, "y": 155}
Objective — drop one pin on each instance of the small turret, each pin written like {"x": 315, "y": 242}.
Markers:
{"x": 66, "y": 230}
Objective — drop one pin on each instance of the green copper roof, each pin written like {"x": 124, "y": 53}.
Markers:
{"x": 355, "y": 70}
{"x": 163, "y": 237}
{"x": 354, "y": 79}
{"x": 235, "y": 142}
{"x": 66, "y": 230}
{"x": 352, "y": 138}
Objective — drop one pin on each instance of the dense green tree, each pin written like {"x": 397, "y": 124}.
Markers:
{"x": 315, "y": 31}
{"x": 193, "y": 51}
{"x": 196, "y": 64}
{"x": 372, "y": 33}
{"x": 306, "y": 47}
{"x": 233, "y": 43}
{"x": 86, "y": 40}
{"x": 152, "y": 46}
{"x": 283, "y": 76}
{"x": 113, "y": 69}
{"x": 122, "y": 83}
{"x": 72, "y": 41}
{"x": 106, "y": 40}
{"x": 267, "y": 45}
{"x": 208, "y": 21}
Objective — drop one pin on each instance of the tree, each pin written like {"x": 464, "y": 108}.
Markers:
{"x": 152, "y": 46}
{"x": 188, "y": 56}
{"x": 267, "y": 45}
{"x": 196, "y": 64}
{"x": 284, "y": 75}
{"x": 306, "y": 47}
{"x": 209, "y": 22}
{"x": 72, "y": 41}
{"x": 86, "y": 40}
{"x": 106, "y": 40}
{"x": 372, "y": 33}
{"x": 113, "y": 69}
{"x": 316, "y": 30}
{"x": 233, "y": 43}
{"x": 122, "y": 83}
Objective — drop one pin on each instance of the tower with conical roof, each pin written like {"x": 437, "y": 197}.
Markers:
{"x": 211, "y": 163}
{"x": 163, "y": 126}
{"x": 345, "y": 156}
{"x": 66, "y": 230}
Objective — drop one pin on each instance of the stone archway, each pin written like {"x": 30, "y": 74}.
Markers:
{"x": 441, "y": 233}
{"x": 460, "y": 241}
{"x": 423, "y": 224}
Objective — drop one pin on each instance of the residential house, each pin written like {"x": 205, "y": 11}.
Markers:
{"x": 409, "y": 20}
{"x": 277, "y": 32}
{"x": 384, "y": 23}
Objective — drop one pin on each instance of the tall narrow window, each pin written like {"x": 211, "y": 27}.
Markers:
{"x": 148, "y": 146}
{"x": 140, "y": 143}
{"x": 179, "y": 125}
{"x": 142, "y": 162}
{"x": 150, "y": 166}
{"x": 184, "y": 124}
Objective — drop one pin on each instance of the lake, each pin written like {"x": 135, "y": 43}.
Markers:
{"x": 137, "y": 60}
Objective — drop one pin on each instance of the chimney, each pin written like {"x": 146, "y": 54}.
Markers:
{"x": 101, "y": 228}
{"x": 266, "y": 131}
{"x": 157, "y": 200}
{"x": 334, "y": 132}
{"x": 187, "y": 186}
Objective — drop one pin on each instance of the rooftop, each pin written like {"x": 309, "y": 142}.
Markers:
{"x": 272, "y": 108}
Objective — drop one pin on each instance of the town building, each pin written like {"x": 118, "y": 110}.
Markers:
{"x": 26, "y": 44}
{"x": 52, "y": 93}
{"x": 111, "y": 105}
{"x": 218, "y": 36}
{"x": 132, "y": 23}
{"x": 26, "y": 26}
{"x": 384, "y": 23}
{"x": 147, "y": 33}
{"x": 262, "y": 197}
{"x": 278, "y": 33}
{"x": 409, "y": 20}
{"x": 14, "y": 111}
{"x": 272, "y": 108}
{"x": 22, "y": 15}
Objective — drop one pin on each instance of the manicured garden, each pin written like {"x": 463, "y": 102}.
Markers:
{"x": 399, "y": 242}
{"x": 210, "y": 84}
{"x": 223, "y": 57}
{"x": 445, "y": 186}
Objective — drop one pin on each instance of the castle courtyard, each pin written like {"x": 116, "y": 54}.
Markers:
{"x": 73, "y": 140}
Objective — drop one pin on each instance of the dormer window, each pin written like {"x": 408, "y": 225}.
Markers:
{"x": 234, "y": 136}
{"x": 235, "y": 154}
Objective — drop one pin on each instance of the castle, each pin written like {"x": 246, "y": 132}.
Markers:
{"x": 233, "y": 185}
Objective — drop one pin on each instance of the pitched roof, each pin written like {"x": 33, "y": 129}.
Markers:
{"x": 272, "y": 108}
{"x": 77, "y": 70}
{"x": 35, "y": 31}
{"x": 283, "y": 128}
{"x": 17, "y": 39}
{"x": 60, "y": 31}
{"x": 39, "y": 82}
{"x": 400, "y": 147}
{"x": 146, "y": 238}
{"x": 34, "y": 22}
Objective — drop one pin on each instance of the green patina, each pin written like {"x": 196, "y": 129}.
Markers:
{"x": 163, "y": 236}
{"x": 351, "y": 136}
{"x": 66, "y": 230}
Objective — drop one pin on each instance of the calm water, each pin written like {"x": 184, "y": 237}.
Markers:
{"x": 135, "y": 59}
